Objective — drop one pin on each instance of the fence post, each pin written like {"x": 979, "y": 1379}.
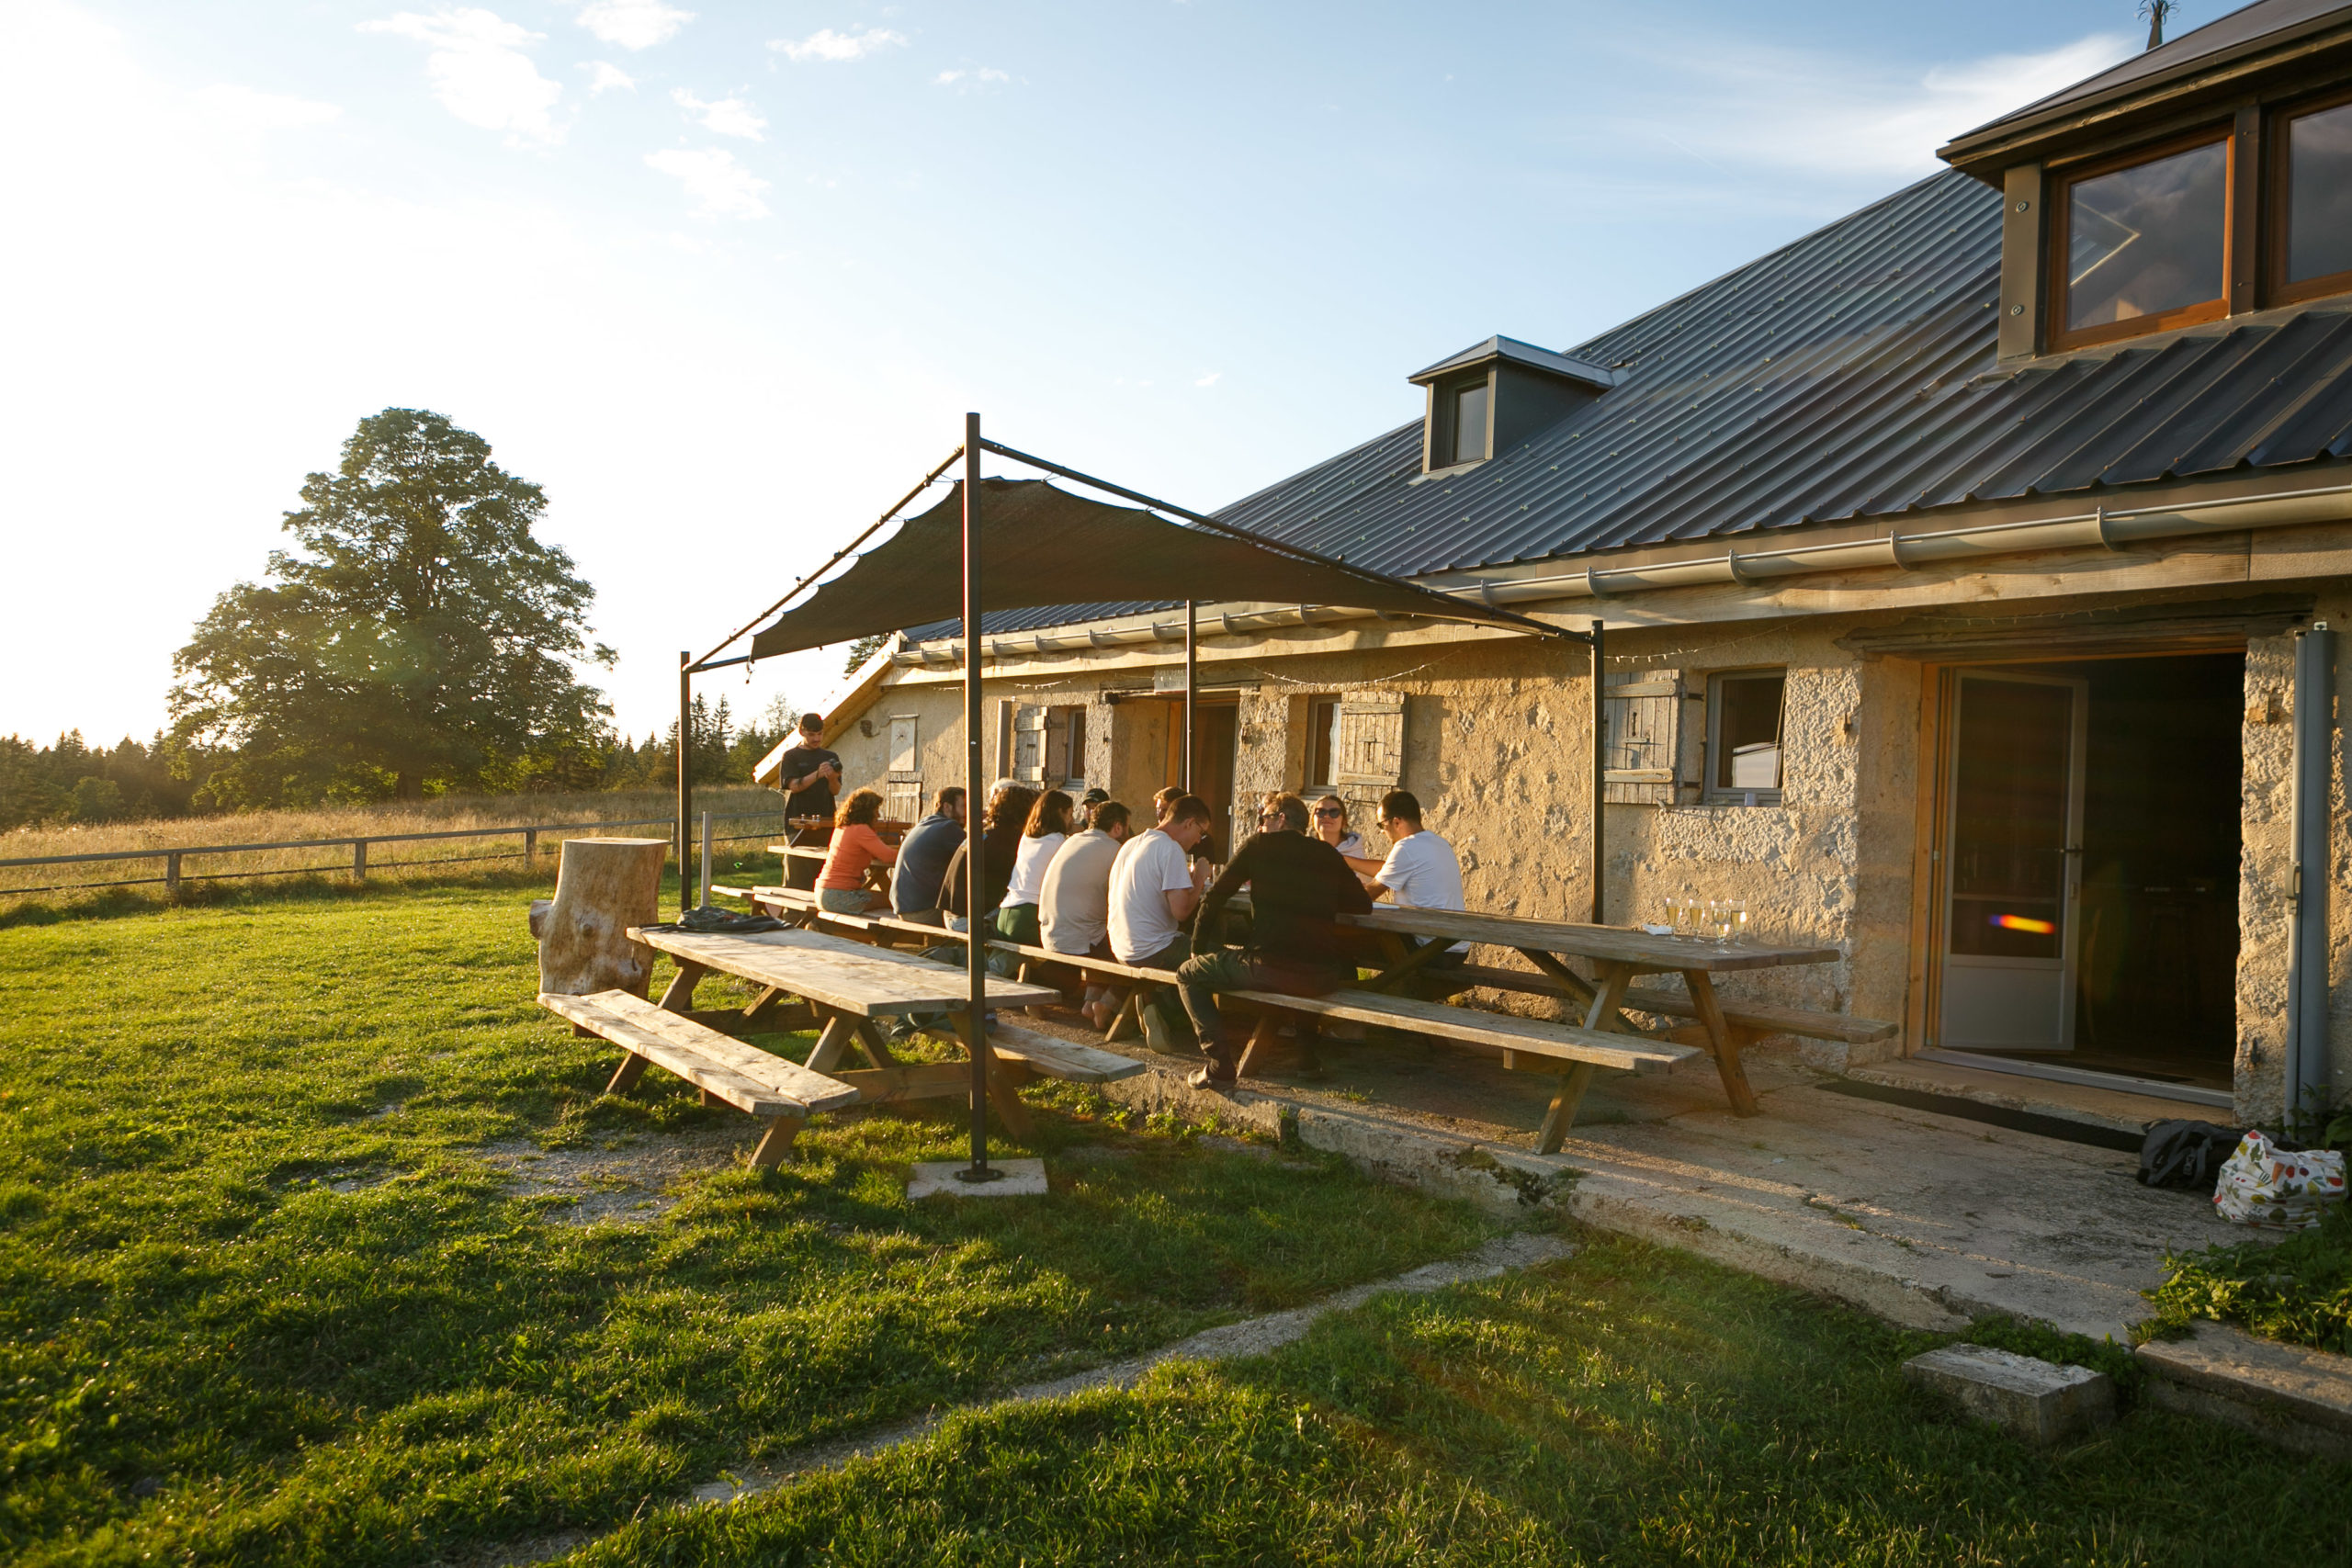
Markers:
{"x": 172, "y": 871}
{"x": 530, "y": 846}
{"x": 358, "y": 860}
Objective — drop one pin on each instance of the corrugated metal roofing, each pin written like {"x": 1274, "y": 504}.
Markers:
{"x": 2246, "y": 29}
{"x": 1849, "y": 375}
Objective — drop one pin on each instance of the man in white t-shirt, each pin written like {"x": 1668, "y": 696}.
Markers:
{"x": 1153, "y": 891}
{"x": 1074, "y": 913}
{"x": 1420, "y": 872}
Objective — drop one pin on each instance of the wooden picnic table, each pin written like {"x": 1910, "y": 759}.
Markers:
{"x": 851, "y": 987}
{"x": 1617, "y": 953}
{"x": 877, "y": 876}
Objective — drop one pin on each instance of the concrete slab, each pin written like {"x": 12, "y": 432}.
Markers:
{"x": 937, "y": 1177}
{"x": 2034, "y": 1401}
{"x": 2116, "y": 1109}
{"x": 2298, "y": 1399}
{"x": 1923, "y": 1219}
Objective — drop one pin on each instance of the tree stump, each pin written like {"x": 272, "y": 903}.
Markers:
{"x": 603, "y": 886}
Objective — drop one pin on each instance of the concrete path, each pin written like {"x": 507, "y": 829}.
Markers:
{"x": 1924, "y": 1219}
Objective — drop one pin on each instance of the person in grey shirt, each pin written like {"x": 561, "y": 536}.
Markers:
{"x": 923, "y": 858}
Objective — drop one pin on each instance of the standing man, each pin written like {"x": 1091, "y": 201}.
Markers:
{"x": 1154, "y": 890}
{"x": 1299, "y": 887}
{"x": 810, "y": 777}
{"x": 923, "y": 858}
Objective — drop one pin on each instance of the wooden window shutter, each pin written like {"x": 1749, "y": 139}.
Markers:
{"x": 1642, "y": 745}
{"x": 902, "y": 786}
{"x": 1029, "y": 745}
{"x": 1371, "y": 751}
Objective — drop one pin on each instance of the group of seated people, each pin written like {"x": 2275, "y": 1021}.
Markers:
{"x": 1081, "y": 877}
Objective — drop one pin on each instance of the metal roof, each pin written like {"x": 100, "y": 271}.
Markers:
{"x": 2250, "y": 29}
{"x": 1849, "y": 375}
{"x": 1581, "y": 371}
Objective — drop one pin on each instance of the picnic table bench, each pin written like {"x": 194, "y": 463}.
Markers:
{"x": 847, "y": 988}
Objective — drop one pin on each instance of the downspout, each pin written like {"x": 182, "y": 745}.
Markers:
{"x": 2307, "y": 974}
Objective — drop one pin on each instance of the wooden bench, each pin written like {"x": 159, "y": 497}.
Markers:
{"x": 1757, "y": 1018}
{"x": 727, "y": 1071}
{"x": 1132, "y": 980}
{"x": 1583, "y": 1050}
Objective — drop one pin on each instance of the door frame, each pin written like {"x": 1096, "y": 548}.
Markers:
{"x": 1938, "y": 710}
{"x": 2070, "y": 875}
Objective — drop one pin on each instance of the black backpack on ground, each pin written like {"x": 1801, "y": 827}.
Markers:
{"x": 2185, "y": 1154}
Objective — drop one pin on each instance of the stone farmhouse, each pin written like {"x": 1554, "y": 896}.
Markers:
{"x": 1964, "y": 565}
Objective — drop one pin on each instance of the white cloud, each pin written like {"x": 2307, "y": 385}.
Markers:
{"x": 827, "y": 44}
{"x": 720, "y": 187}
{"x": 727, "y": 117}
{"x": 246, "y": 109}
{"x": 986, "y": 74}
{"x": 604, "y": 75}
{"x": 480, "y": 72}
{"x": 633, "y": 24}
{"x": 1210, "y": 379}
{"x": 1828, "y": 115}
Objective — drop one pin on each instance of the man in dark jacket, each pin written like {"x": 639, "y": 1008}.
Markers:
{"x": 1298, "y": 887}
{"x": 923, "y": 858}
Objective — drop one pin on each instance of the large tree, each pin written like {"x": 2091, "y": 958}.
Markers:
{"x": 421, "y": 637}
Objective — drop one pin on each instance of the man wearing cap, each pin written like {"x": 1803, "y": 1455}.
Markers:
{"x": 811, "y": 776}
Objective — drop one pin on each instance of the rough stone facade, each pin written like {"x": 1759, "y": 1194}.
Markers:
{"x": 1496, "y": 735}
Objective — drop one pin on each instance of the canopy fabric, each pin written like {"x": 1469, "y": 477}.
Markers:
{"x": 1040, "y": 545}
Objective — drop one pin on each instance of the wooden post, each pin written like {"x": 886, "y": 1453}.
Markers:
{"x": 358, "y": 860}
{"x": 1600, "y": 779}
{"x": 686, "y": 770}
{"x": 530, "y": 846}
{"x": 976, "y": 953}
{"x": 172, "y": 871}
{"x": 603, "y": 886}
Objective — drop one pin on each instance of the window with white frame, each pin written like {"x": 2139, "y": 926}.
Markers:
{"x": 1745, "y": 711}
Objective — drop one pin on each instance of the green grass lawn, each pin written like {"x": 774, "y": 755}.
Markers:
{"x": 1628, "y": 1406}
{"x": 263, "y": 1301}
{"x": 266, "y": 1301}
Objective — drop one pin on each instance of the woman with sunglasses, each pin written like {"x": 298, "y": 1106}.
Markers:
{"x": 1331, "y": 827}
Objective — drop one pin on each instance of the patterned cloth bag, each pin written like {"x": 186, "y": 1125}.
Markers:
{"x": 2264, "y": 1185}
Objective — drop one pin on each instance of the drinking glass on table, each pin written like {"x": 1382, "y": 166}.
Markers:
{"x": 1686, "y": 914}
{"x": 1736, "y": 930}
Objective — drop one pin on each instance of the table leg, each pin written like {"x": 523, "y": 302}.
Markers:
{"x": 624, "y": 1077}
{"x": 1727, "y": 1042}
{"x": 776, "y": 1142}
{"x": 1129, "y": 1015}
{"x": 1002, "y": 1092}
{"x": 1579, "y": 988}
{"x": 832, "y": 1044}
{"x": 1602, "y": 1015}
{"x": 1402, "y": 963}
{"x": 680, "y": 996}
{"x": 1263, "y": 1035}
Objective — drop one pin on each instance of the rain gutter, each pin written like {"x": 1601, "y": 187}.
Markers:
{"x": 1896, "y": 549}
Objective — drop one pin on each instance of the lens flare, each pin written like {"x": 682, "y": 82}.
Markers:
{"x": 2023, "y": 923}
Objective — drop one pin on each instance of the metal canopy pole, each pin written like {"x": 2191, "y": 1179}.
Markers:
{"x": 974, "y": 950}
{"x": 1192, "y": 683}
{"x": 686, "y": 770}
{"x": 1600, "y": 776}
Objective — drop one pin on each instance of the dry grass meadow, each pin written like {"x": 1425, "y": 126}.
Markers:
{"x": 649, "y": 809}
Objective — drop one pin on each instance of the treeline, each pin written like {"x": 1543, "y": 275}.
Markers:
{"x": 72, "y": 782}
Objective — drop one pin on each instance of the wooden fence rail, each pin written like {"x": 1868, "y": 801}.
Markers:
{"x": 172, "y": 858}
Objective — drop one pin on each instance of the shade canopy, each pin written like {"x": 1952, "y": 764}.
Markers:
{"x": 1041, "y": 545}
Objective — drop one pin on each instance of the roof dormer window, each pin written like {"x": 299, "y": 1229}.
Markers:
{"x": 1469, "y": 433}
{"x": 2311, "y": 202}
{"x": 1489, "y": 398}
{"x": 2142, "y": 242}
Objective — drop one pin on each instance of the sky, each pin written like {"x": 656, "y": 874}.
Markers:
{"x": 723, "y": 277}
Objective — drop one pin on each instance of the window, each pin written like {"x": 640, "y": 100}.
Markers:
{"x": 1074, "y": 747}
{"x": 2311, "y": 238}
{"x": 2142, "y": 245}
{"x": 1470, "y": 423}
{"x": 1063, "y": 748}
{"x": 1744, "y": 737}
{"x": 1322, "y": 741}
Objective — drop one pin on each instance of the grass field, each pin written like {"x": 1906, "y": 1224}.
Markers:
{"x": 266, "y": 1297}
{"x": 63, "y": 886}
{"x": 263, "y": 1299}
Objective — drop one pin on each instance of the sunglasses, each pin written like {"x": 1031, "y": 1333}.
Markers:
{"x": 1329, "y": 811}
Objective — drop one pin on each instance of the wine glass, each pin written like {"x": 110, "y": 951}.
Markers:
{"x": 1739, "y": 928}
{"x": 1686, "y": 914}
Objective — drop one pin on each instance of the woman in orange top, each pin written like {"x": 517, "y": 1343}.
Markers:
{"x": 841, "y": 886}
